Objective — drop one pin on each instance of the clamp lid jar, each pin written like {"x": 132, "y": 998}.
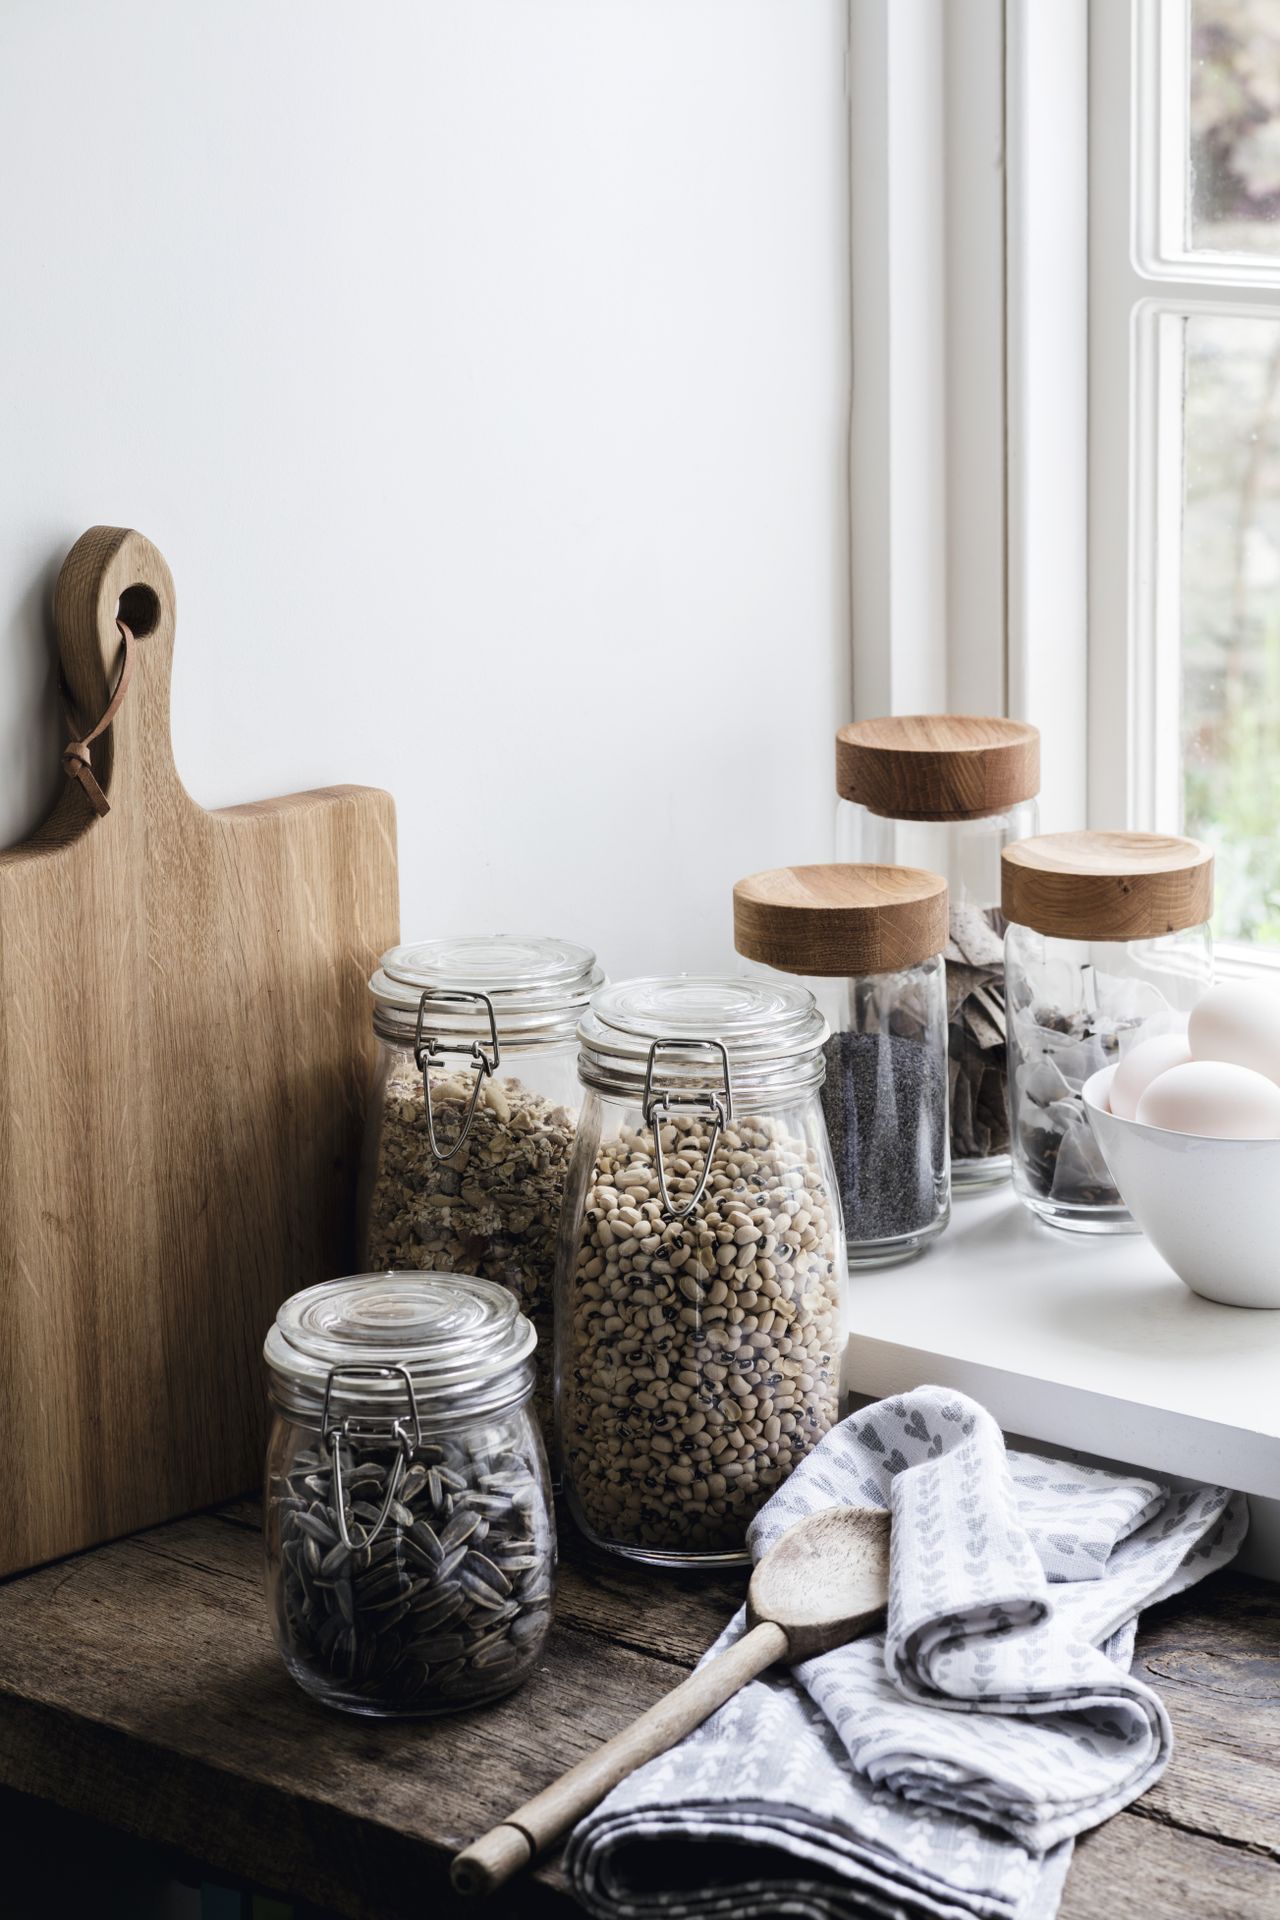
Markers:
{"x": 868, "y": 943}
{"x": 410, "y": 1547}
{"x": 701, "y": 1312}
{"x": 528, "y": 989}
{"x": 1108, "y": 934}
{"x": 948, "y": 792}
{"x": 472, "y": 1113}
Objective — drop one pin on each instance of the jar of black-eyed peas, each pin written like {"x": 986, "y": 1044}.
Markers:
{"x": 701, "y": 1277}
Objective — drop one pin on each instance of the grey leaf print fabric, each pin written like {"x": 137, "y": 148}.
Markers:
{"x": 940, "y": 1769}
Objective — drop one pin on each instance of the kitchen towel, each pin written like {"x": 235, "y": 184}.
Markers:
{"x": 941, "y": 1768}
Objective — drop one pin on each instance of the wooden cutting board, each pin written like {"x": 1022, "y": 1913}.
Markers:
{"x": 184, "y": 1043}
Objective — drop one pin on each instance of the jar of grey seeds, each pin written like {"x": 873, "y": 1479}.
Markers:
{"x": 701, "y": 1283}
{"x": 472, "y": 1114}
{"x": 409, "y": 1538}
{"x": 948, "y": 792}
{"x": 867, "y": 941}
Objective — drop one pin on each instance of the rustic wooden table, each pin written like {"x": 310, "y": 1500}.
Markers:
{"x": 140, "y": 1687}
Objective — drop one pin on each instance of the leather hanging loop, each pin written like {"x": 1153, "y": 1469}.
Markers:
{"x": 76, "y": 759}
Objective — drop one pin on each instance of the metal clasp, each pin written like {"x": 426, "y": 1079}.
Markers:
{"x": 368, "y": 1427}
{"x": 427, "y": 1048}
{"x": 715, "y": 1107}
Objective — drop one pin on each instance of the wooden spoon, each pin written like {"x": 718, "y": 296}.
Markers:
{"x": 825, "y": 1582}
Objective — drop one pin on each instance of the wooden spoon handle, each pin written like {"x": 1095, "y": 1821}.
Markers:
{"x": 490, "y": 1861}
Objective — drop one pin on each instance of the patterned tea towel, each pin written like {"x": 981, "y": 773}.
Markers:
{"x": 942, "y": 1767}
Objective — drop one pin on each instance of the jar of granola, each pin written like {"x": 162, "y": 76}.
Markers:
{"x": 472, "y": 1115}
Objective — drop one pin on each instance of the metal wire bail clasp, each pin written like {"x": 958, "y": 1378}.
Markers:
{"x": 701, "y": 1105}
{"x": 427, "y": 1048}
{"x": 369, "y": 1427}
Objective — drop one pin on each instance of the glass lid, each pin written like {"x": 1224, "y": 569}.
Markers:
{"x": 754, "y": 1019}
{"x": 771, "y": 1030}
{"x": 456, "y": 1336}
{"x": 537, "y": 986}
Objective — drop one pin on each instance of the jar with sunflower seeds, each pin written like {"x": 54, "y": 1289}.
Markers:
{"x": 409, "y": 1536}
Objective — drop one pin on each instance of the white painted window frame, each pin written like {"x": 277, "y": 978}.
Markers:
{"x": 968, "y": 451}
{"x": 1142, "y": 282}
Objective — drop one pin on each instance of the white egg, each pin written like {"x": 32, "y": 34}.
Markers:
{"x": 1140, "y": 1066}
{"x": 1215, "y": 1099}
{"x": 1238, "y": 1021}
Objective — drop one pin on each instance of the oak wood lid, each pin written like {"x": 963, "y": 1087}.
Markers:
{"x": 1107, "y": 886}
{"x": 938, "y": 766}
{"x": 840, "y": 920}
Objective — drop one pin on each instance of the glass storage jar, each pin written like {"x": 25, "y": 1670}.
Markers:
{"x": 1107, "y": 932}
{"x": 867, "y": 941}
{"x": 409, "y": 1538}
{"x": 701, "y": 1292}
{"x": 948, "y": 792}
{"x": 472, "y": 1113}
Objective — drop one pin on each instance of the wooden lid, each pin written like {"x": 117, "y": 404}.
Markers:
{"x": 938, "y": 766}
{"x": 1107, "y": 886}
{"x": 840, "y": 920}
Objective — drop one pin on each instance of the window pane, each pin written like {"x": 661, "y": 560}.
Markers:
{"x": 1234, "y": 130}
{"x": 1230, "y": 608}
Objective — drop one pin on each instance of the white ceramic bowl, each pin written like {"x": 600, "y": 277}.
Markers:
{"x": 1210, "y": 1207}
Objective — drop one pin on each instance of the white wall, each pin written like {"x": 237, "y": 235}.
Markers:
{"x": 481, "y": 369}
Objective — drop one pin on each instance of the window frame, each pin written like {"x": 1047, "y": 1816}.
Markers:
{"x": 1142, "y": 280}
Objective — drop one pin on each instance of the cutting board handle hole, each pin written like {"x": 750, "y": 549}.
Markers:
{"x": 140, "y": 611}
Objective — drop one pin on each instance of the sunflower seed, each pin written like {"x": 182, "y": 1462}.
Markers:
{"x": 491, "y": 1658}
{"x": 440, "y": 1647}
{"x": 413, "y": 1483}
{"x": 316, "y": 1526}
{"x": 481, "y": 1565}
{"x": 461, "y": 1526}
{"x": 480, "y": 1590}
{"x": 413, "y": 1615}
{"x": 369, "y": 1474}
{"x": 424, "y": 1535}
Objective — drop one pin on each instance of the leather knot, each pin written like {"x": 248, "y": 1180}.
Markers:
{"x": 77, "y": 761}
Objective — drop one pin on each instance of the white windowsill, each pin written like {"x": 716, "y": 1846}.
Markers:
{"x": 1086, "y": 1343}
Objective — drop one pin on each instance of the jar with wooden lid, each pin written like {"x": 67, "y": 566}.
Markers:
{"x": 1107, "y": 933}
{"x": 472, "y": 1115}
{"x": 868, "y": 942}
{"x": 948, "y": 792}
{"x": 408, "y": 1527}
{"x": 701, "y": 1294}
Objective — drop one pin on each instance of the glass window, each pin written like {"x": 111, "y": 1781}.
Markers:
{"x": 1204, "y": 746}
{"x": 1230, "y": 611}
{"x": 1233, "y": 133}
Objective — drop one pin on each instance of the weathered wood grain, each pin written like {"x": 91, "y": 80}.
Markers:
{"x": 1142, "y": 1870}
{"x": 184, "y": 1043}
{"x": 139, "y": 1686}
{"x": 1217, "y": 1668}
